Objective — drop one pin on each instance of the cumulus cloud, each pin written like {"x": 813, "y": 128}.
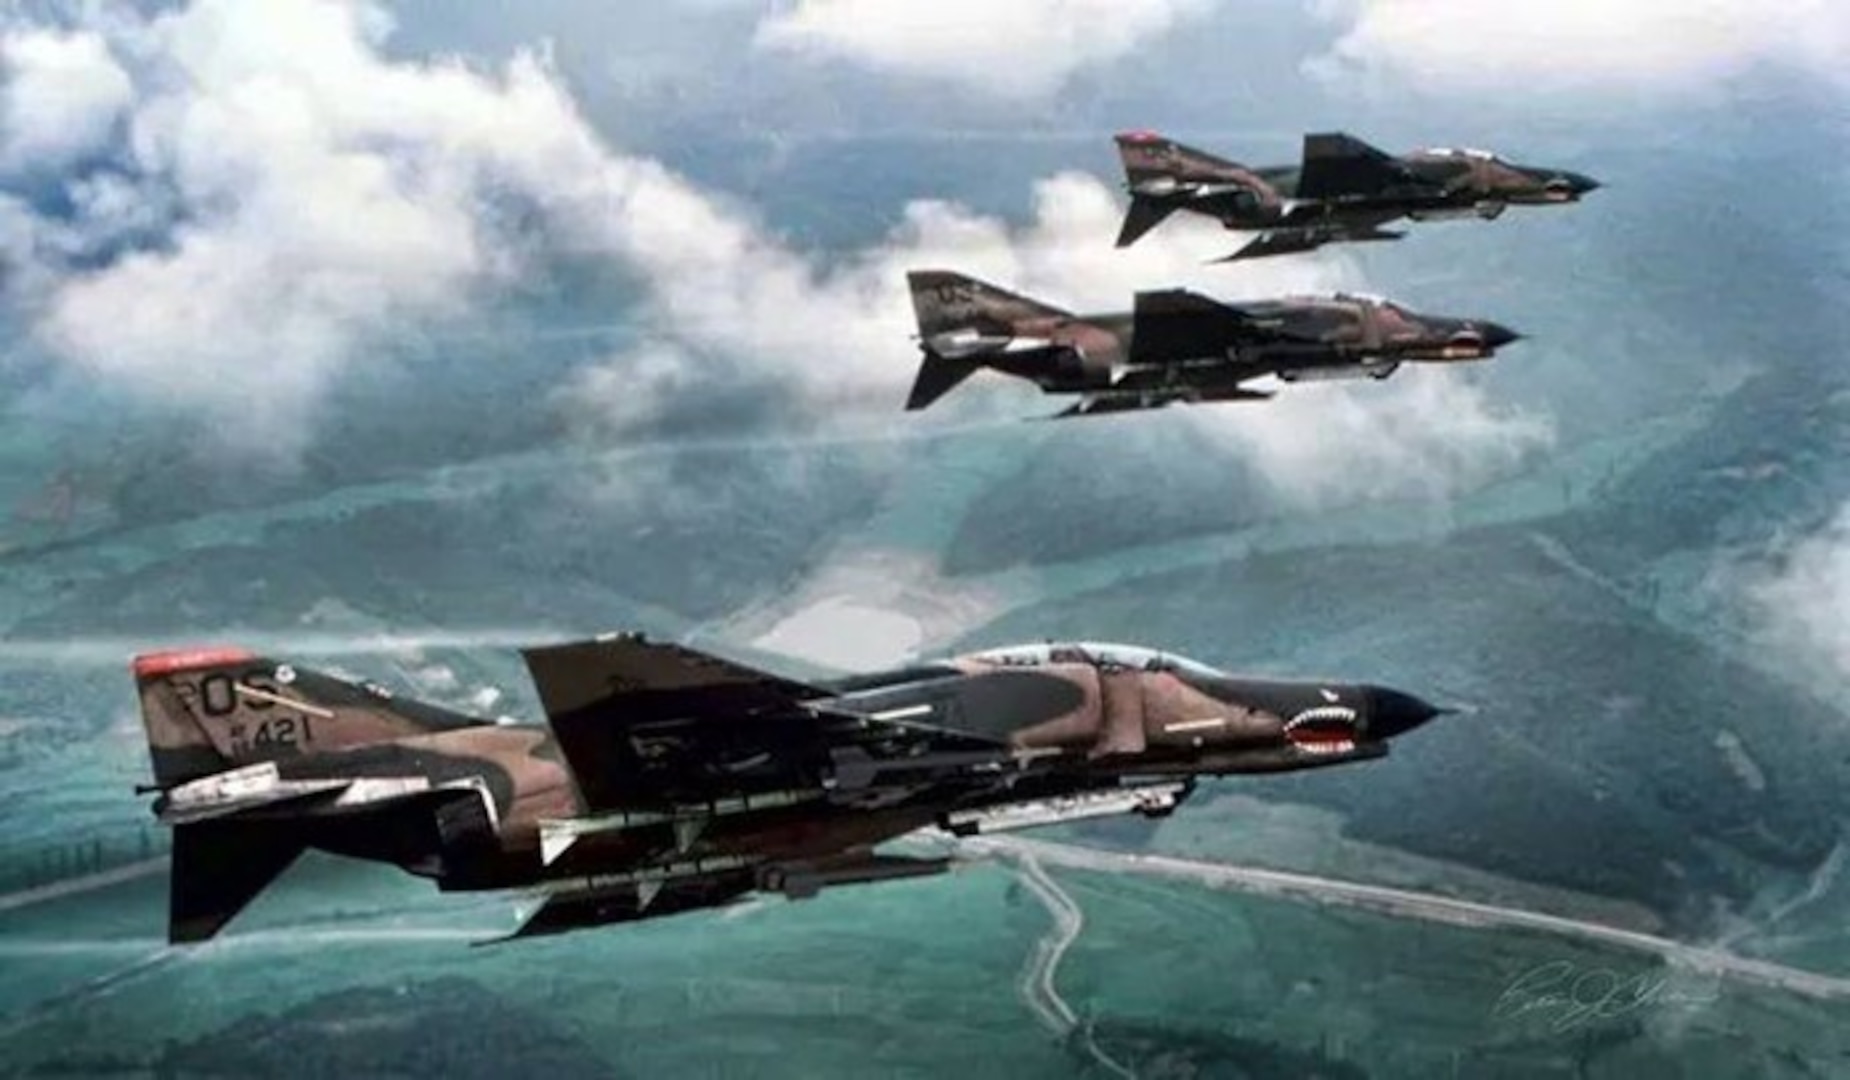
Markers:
{"x": 61, "y": 98}
{"x": 837, "y": 333}
{"x": 1423, "y": 434}
{"x": 1579, "y": 43}
{"x": 1800, "y": 599}
{"x": 287, "y": 195}
{"x": 300, "y": 196}
{"x": 1022, "y": 48}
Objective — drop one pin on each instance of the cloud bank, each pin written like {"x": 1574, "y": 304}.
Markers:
{"x": 1023, "y": 48}
{"x": 1595, "y": 45}
{"x": 275, "y": 198}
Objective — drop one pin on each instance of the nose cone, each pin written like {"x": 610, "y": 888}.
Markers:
{"x": 1392, "y": 712}
{"x": 1564, "y": 186}
{"x": 1496, "y": 335}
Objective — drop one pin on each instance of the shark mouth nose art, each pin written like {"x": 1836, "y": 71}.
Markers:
{"x": 1326, "y": 729}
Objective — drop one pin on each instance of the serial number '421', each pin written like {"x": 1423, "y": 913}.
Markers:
{"x": 290, "y": 731}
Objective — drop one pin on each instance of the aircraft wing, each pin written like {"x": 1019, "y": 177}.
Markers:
{"x": 1337, "y": 166}
{"x": 1349, "y": 228}
{"x": 692, "y": 884}
{"x": 1173, "y": 325}
{"x": 652, "y": 898}
{"x": 1130, "y": 398}
{"x": 655, "y": 725}
{"x": 646, "y": 723}
{"x": 655, "y": 680}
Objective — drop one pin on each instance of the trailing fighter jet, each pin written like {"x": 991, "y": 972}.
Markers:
{"x": 1174, "y": 345}
{"x": 1343, "y": 191}
{"x": 668, "y": 779}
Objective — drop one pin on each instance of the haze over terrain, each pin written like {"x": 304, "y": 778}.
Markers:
{"x": 392, "y": 337}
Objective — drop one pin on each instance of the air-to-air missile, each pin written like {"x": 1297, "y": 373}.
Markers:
{"x": 1173, "y": 345}
{"x": 1343, "y": 190}
{"x": 667, "y": 779}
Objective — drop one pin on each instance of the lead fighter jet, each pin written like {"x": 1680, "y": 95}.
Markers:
{"x": 1344, "y": 190}
{"x": 668, "y": 779}
{"x": 1174, "y": 345}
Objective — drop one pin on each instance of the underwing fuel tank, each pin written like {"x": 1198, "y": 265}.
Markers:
{"x": 1151, "y": 800}
{"x": 1342, "y": 373}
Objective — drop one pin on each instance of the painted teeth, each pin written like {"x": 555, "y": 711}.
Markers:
{"x": 1337, "y": 746}
{"x": 1340, "y": 713}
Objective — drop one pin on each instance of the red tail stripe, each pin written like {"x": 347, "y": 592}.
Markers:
{"x": 149, "y": 665}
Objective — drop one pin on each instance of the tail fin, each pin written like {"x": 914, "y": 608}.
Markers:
{"x": 208, "y": 710}
{"x": 1149, "y": 156}
{"x": 959, "y": 318}
{"x": 945, "y": 300}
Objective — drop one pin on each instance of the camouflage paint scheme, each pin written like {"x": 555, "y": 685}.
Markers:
{"x": 1174, "y": 345}
{"x": 668, "y": 779}
{"x": 1343, "y": 191}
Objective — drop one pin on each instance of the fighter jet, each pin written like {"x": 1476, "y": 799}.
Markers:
{"x": 1174, "y": 345}
{"x": 667, "y": 779}
{"x": 1343, "y": 191}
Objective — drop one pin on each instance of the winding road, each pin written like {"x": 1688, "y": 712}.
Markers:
{"x": 1037, "y": 975}
{"x": 1405, "y": 903}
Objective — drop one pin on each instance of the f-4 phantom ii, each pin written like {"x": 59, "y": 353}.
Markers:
{"x": 667, "y": 779}
{"x": 1174, "y": 345}
{"x": 1343, "y": 191}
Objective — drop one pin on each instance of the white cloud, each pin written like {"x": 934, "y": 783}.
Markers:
{"x": 1427, "y": 433}
{"x": 313, "y": 196}
{"x": 722, "y": 286}
{"x": 1590, "y": 44}
{"x": 839, "y": 335}
{"x": 1022, "y": 48}
{"x": 1800, "y": 597}
{"x": 62, "y": 95}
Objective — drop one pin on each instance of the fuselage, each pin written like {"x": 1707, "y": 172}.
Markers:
{"x": 1073, "y": 718}
{"x": 1289, "y": 337}
{"x": 1440, "y": 183}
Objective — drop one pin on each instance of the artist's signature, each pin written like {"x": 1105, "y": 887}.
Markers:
{"x": 1563, "y": 995}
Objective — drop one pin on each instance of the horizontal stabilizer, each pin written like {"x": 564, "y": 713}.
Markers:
{"x": 937, "y": 377}
{"x": 218, "y": 868}
{"x": 1144, "y": 214}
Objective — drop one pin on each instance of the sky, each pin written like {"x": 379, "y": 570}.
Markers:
{"x": 225, "y": 213}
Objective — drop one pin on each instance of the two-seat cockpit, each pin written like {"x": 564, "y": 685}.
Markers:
{"x": 1105, "y": 656}
{"x": 1470, "y": 153}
